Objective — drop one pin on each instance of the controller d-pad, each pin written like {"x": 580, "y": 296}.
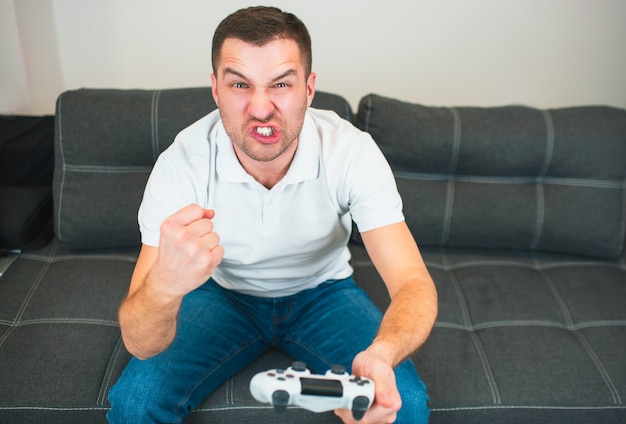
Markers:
{"x": 359, "y": 381}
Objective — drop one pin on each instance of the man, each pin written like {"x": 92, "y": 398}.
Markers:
{"x": 245, "y": 221}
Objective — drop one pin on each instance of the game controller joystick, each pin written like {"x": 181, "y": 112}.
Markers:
{"x": 318, "y": 393}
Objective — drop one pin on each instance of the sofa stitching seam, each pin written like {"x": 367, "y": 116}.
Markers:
{"x": 569, "y": 321}
{"x": 600, "y": 367}
{"x": 549, "y": 152}
{"x": 59, "y": 232}
{"x": 104, "y": 387}
{"x": 454, "y": 163}
{"x": 482, "y": 354}
{"x": 155, "y": 124}
{"x": 20, "y": 312}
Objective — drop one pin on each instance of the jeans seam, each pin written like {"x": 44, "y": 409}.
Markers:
{"x": 308, "y": 348}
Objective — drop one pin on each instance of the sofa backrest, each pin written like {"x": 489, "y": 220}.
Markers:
{"x": 106, "y": 142}
{"x": 506, "y": 177}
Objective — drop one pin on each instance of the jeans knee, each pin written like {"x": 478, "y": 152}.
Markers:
{"x": 124, "y": 406}
{"x": 136, "y": 401}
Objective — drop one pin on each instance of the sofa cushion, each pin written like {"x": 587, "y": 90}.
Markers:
{"x": 102, "y": 168}
{"x": 507, "y": 177}
{"x": 521, "y": 337}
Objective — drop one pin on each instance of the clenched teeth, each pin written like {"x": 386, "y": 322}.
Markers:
{"x": 265, "y": 131}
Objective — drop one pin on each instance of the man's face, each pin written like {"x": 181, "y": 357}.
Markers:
{"x": 262, "y": 93}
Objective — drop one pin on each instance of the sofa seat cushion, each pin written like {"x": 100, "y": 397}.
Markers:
{"x": 60, "y": 346}
{"x": 507, "y": 177}
{"x": 520, "y": 336}
{"x": 61, "y": 350}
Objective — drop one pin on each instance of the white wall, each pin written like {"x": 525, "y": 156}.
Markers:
{"x": 544, "y": 53}
{"x": 14, "y": 94}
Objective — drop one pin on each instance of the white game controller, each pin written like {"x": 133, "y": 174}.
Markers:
{"x": 318, "y": 393}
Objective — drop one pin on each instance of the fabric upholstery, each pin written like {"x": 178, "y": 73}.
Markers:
{"x": 507, "y": 177}
{"x": 520, "y": 337}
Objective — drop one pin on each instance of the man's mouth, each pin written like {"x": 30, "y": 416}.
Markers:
{"x": 265, "y": 131}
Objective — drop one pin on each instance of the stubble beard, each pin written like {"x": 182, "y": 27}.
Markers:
{"x": 264, "y": 152}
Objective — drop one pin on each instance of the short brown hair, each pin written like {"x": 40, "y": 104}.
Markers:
{"x": 260, "y": 25}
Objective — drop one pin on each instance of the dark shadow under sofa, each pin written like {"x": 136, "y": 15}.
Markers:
{"x": 520, "y": 214}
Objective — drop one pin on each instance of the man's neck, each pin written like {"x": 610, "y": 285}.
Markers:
{"x": 268, "y": 174}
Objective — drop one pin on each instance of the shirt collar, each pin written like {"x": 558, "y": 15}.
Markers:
{"x": 305, "y": 164}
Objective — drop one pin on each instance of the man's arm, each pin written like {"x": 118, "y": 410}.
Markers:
{"x": 407, "y": 322}
{"x": 188, "y": 253}
{"x": 413, "y": 309}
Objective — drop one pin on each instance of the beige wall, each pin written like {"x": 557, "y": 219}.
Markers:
{"x": 543, "y": 53}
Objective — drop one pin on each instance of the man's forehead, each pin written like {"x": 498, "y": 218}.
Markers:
{"x": 279, "y": 55}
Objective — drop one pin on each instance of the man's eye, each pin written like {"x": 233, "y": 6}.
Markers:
{"x": 282, "y": 85}
{"x": 239, "y": 85}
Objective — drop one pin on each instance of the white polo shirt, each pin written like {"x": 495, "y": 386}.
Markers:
{"x": 293, "y": 237}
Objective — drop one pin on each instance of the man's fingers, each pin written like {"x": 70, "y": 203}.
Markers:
{"x": 201, "y": 227}
{"x": 189, "y": 214}
{"x": 383, "y": 398}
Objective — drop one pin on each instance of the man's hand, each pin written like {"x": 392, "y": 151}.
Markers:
{"x": 189, "y": 252}
{"x": 387, "y": 401}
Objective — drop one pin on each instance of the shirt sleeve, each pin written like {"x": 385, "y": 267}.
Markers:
{"x": 179, "y": 178}
{"x": 374, "y": 200}
{"x": 160, "y": 200}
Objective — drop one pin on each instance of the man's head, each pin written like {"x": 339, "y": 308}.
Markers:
{"x": 263, "y": 84}
{"x": 260, "y": 25}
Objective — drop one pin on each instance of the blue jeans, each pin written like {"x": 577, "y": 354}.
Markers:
{"x": 220, "y": 332}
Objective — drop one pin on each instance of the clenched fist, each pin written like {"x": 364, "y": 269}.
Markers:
{"x": 189, "y": 251}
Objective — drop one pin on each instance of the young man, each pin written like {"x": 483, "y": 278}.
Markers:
{"x": 245, "y": 222}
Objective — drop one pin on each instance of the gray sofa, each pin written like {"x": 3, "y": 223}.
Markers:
{"x": 520, "y": 214}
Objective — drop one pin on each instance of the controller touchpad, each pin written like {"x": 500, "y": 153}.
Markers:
{"x": 318, "y": 387}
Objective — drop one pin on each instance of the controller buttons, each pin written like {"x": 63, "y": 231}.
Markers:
{"x": 338, "y": 369}
{"x": 298, "y": 366}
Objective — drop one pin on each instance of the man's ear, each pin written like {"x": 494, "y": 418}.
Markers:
{"x": 310, "y": 88}
{"x": 214, "y": 89}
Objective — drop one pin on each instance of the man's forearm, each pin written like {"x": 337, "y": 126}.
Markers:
{"x": 148, "y": 321}
{"x": 407, "y": 323}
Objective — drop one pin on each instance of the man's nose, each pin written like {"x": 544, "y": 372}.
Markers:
{"x": 261, "y": 106}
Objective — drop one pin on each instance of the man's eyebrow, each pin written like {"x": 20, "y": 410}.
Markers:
{"x": 228, "y": 70}
{"x": 287, "y": 73}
